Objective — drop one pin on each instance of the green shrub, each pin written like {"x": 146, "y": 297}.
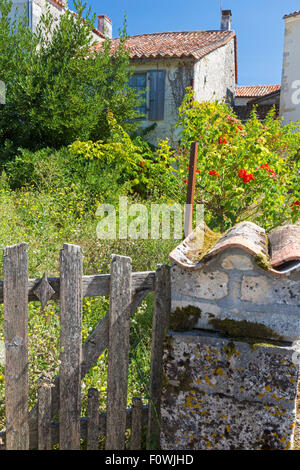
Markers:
{"x": 130, "y": 161}
{"x": 245, "y": 171}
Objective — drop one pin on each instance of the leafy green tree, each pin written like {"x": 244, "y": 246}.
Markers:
{"x": 59, "y": 88}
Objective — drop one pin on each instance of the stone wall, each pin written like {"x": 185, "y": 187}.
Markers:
{"x": 225, "y": 394}
{"x": 233, "y": 293}
{"x": 215, "y": 75}
{"x": 231, "y": 360}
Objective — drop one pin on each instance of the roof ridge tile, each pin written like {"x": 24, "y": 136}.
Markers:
{"x": 276, "y": 251}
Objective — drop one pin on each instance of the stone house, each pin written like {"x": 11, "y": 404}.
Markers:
{"x": 34, "y": 9}
{"x": 263, "y": 97}
{"x": 166, "y": 63}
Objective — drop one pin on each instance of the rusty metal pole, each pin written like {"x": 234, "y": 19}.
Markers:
{"x": 191, "y": 189}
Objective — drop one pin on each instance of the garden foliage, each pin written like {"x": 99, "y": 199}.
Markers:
{"x": 58, "y": 88}
{"x": 245, "y": 171}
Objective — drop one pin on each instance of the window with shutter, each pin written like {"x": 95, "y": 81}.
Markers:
{"x": 20, "y": 9}
{"x": 139, "y": 82}
{"x": 157, "y": 95}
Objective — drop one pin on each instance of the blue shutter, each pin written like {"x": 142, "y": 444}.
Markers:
{"x": 157, "y": 95}
{"x": 132, "y": 81}
{"x": 20, "y": 9}
{"x": 138, "y": 81}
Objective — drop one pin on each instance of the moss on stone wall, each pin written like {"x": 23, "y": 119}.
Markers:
{"x": 244, "y": 329}
{"x": 210, "y": 238}
{"x": 184, "y": 319}
{"x": 262, "y": 261}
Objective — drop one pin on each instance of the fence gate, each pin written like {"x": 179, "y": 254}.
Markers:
{"x": 37, "y": 429}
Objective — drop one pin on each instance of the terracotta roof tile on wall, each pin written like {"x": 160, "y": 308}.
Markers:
{"x": 296, "y": 13}
{"x": 193, "y": 44}
{"x": 280, "y": 250}
{"x": 255, "y": 90}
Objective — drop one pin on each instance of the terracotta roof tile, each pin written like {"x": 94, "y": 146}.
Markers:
{"x": 255, "y": 90}
{"x": 285, "y": 245}
{"x": 194, "y": 44}
{"x": 295, "y": 13}
{"x": 57, "y": 2}
{"x": 246, "y": 235}
{"x": 281, "y": 250}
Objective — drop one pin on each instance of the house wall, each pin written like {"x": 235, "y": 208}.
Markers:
{"x": 39, "y": 7}
{"x": 242, "y": 101}
{"x": 271, "y": 99}
{"x": 218, "y": 67}
{"x": 36, "y": 8}
{"x": 179, "y": 75}
{"x": 215, "y": 75}
{"x": 290, "y": 94}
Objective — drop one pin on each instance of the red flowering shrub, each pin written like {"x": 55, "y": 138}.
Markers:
{"x": 247, "y": 170}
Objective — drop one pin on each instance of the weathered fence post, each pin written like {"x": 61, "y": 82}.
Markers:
{"x": 162, "y": 305}
{"x": 136, "y": 424}
{"x": 70, "y": 343}
{"x": 15, "y": 295}
{"x": 118, "y": 352}
{"x": 93, "y": 419}
{"x": 44, "y": 415}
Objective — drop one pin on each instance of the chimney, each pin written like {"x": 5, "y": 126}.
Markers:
{"x": 105, "y": 26}
{"x": 226, "y": 20}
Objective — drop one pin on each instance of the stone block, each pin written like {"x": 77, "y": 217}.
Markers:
{"x": 220, "y": 393}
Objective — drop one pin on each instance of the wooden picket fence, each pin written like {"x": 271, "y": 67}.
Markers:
{"x": 38, "y": 429}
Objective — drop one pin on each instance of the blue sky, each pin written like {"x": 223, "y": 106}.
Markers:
{"x": 258, "y": 24}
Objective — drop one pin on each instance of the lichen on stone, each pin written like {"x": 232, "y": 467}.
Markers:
{"x": 230, "y": 350}
{"x": 210, "y": 238}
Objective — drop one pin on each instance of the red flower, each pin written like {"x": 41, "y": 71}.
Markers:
{"x": 240, "y": 128}
{"x": 247, "y": 177}
{"x": 222, "y": 140}
{"x": 197, "y": 171}
{"x": 242, "y": 173}
{"x": 214, "y": 173}
{"x": 185, "y": 181}
{"x": 268, "y": 169}
{"x": 296, "y": 203}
